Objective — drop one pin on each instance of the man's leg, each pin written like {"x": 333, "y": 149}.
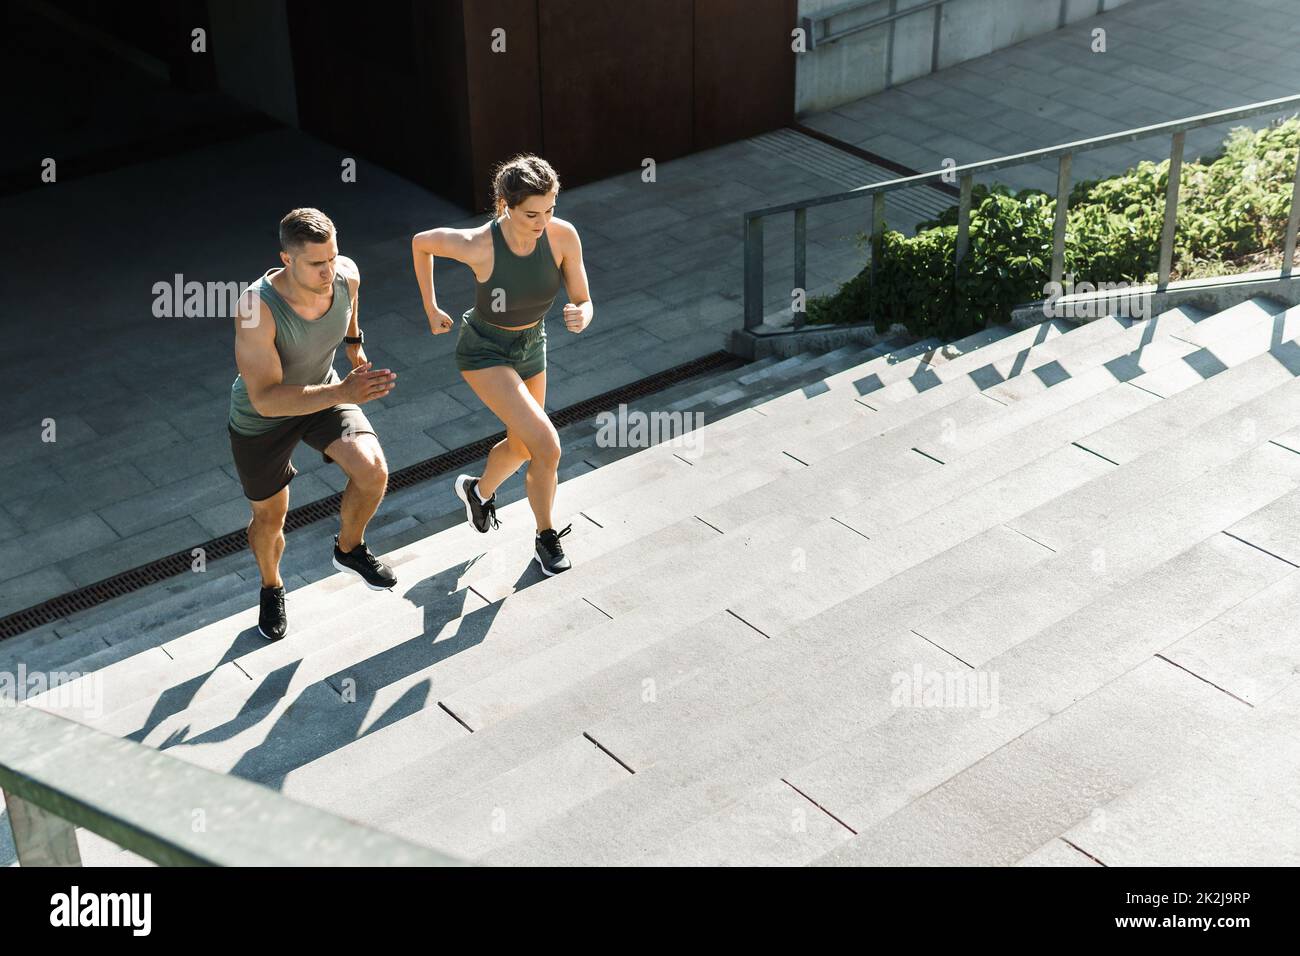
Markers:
{"x": 362, "y": 460}
{"x": 266, "y": 535}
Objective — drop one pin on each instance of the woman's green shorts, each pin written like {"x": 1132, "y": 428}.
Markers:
{"x": 482, "y": 345}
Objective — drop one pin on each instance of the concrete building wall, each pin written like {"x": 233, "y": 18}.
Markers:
{"x": 250, "y": 46}
{"x": 887, "y": 55}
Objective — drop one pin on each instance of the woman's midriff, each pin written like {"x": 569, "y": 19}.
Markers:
{"x": 470, "y": 313}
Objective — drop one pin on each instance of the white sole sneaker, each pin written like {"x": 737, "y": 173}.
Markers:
{"x": 268, "y": 636}
{"x": 344, "y": 567}
{"x": 549, "y": 574}
{"x": 462, "y": 492}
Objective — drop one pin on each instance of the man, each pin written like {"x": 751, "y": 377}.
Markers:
{"x": 288, "y": 327}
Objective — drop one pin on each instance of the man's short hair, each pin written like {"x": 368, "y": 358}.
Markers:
{"x": 302, "y": 226}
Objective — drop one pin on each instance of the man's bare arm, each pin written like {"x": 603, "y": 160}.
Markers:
{"x": 348, "y": 269}
{"x": 259, "y": 364}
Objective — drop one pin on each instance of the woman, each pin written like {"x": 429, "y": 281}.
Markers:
{"x": 519, "y": 259}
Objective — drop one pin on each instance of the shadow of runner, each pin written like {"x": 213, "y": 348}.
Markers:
{"x": 176, "y": 699}
{"x": 329, "y": 712}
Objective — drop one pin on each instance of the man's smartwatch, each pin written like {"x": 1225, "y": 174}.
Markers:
{"x": 356, "y": 339}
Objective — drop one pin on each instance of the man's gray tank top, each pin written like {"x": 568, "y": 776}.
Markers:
{"x": 306, "y": 351}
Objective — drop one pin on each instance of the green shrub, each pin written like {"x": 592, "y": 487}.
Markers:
{"x": 1233, "y": 210}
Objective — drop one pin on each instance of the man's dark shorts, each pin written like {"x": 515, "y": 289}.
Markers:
{"x": 263, "y": 461}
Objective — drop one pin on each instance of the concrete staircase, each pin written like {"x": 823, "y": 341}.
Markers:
{"x": 760, "y": 653}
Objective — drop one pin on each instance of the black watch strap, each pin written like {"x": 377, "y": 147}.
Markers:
{"x": 356, "y": 339}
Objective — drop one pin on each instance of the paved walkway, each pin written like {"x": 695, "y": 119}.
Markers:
{"x": 141, "y": 463}
{"x": 1164, "y": 59}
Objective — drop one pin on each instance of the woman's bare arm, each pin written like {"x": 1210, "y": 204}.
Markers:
{"x": 580, "y": 311}
{"x": 450, "y": 244}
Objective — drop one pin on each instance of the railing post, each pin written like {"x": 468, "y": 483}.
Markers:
{"x": 889, "y": 46}
{"x": 963, "y": 243}
{"x": 1171, "y": 210}
{"x": 1288, "y": 251}
{"x": 934, "y": 41}
{"x": 40, "y": 837}
{"x": 1062, "y": 207}
{"x": 809, "y": 32}
{"x": 963, "y": 220}
{"x": 800, "y": 259}
{"x": 753, "y": 271}
{"x": 877, "y": 231}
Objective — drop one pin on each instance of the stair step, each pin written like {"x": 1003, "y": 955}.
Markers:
{"x": 757, "y": 697}
{"x": 706, "y": 658}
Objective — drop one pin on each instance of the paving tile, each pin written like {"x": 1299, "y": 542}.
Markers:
{"x": 1190, "y": 813}
{"x": 91, "y": 564}
{"x": 59, "y": 500}
{"x": 1249, "y": 651}
{"x": 25, "y": 590}
{"x": 155, "y": 506}
{"x": 52, "y": 544}
{"x": 34, "y": 442}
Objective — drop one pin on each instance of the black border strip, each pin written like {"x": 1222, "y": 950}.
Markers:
{"x": 870, "y": 157}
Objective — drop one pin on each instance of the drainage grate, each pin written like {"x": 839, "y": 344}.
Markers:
{"x": 174, "y": 564}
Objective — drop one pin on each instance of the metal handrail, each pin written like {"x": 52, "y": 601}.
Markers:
{"x": 753, "y": 219}
{"x": 811, "y": 22}
{"x": 57, "y": 775}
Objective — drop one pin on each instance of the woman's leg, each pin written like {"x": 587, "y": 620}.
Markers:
{"x": 507, "y": 455}
{"x": 530, "y": 436}
{"x": 540, "y": 482}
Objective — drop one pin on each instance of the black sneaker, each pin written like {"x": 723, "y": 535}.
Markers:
{"x": 481, "y": 514}
{"x": 377, "y": 575}
{"x": 549, "y": 554}
{"x": 272, "y": 622}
